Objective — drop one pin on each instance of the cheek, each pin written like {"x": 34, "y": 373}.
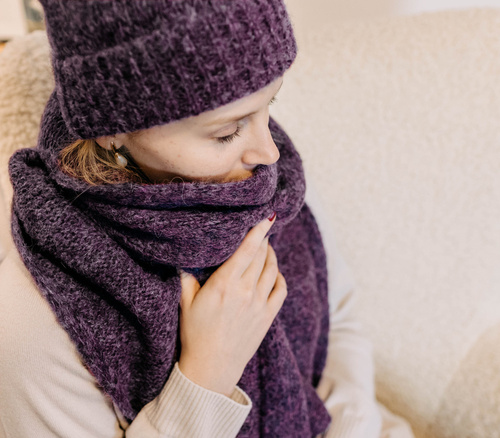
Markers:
{"x": 191, "y": 157}
{"x": 160, "y": 157}
{"x": 202, "y": 160}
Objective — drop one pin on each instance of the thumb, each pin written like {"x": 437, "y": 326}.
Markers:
{"x": 189, "y": 286}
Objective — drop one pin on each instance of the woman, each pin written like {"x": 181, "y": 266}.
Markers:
{"x": 150, "y": 166}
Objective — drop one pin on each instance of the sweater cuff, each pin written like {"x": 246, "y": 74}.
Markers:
{"x": 346, "y": 427}
{"x": 184, "y": 408}
{"x": 354, "y": 420}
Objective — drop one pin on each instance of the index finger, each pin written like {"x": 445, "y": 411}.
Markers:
{"x": 239, "y": 261}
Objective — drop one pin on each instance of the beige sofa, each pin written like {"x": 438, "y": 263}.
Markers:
{"x": 397, "y": 121}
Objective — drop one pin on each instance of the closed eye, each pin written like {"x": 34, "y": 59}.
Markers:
{"x": 231, "y": 137}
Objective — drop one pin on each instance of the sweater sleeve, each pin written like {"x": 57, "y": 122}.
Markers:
{"x": 347, "y": 385}
{"x": 184, "y": 408}
{"x": 47, "y": 392}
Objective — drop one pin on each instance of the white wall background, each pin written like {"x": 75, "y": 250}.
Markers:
{"x": 417, "y": 6}
{"x": 12, "y": 21}
{"x": 305, "y": 13}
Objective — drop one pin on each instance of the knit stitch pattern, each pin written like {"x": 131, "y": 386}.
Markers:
{"x": 106, "y": 258}
{"x": 122, "y": 65}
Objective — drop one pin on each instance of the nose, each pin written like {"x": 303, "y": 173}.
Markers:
{"x": 262, "y": 150}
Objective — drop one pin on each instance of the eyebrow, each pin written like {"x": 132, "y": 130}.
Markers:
{"x": 236, "y": 118}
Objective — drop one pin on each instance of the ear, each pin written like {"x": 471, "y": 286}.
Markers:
{"x": 105, "y": 141}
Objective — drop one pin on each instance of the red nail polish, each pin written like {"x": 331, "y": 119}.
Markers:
{"x": 271, "y": 217}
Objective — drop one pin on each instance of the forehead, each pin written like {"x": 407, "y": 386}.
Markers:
{"x": 240, "y": 108}
{"x": 214, "y": 118}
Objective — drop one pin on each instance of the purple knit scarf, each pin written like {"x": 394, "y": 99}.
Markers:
{"x": 105, "y": 258}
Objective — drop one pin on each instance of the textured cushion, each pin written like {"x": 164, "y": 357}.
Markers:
{"x": 397, "y": 121}
{"x": 25, "y": 85}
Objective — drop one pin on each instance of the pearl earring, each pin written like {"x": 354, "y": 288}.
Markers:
{"x": 120, "y": 159}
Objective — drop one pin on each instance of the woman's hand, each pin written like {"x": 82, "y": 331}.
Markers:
{"x": 223, "y": 323}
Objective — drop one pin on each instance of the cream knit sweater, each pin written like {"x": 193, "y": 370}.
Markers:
{"x": 46, "y": 391}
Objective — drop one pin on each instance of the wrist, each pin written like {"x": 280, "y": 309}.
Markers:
{"x": 204, "y": 377}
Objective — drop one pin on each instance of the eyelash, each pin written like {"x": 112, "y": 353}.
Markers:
{"x": 230, "y": 138}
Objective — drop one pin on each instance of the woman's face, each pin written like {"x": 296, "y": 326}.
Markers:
{"x": 220, "y": 145}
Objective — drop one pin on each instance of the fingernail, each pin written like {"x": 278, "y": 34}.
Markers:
{"x": 272, "y": 216}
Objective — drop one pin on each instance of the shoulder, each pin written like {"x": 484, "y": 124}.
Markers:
{"x": 26, "y": 316}
{"x": 32, "y": 342}
{"x": 24, "y": 313}
{"x": 42, "y": 377}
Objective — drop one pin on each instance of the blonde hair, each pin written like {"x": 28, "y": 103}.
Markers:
{"x": 86, "y": 160}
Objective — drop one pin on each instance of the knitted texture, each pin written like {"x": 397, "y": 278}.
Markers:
{"x": 122, "y": 65}
{"x": 106, "y": 258}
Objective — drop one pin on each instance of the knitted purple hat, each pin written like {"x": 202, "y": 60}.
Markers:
{"x": 124, "y": 65}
